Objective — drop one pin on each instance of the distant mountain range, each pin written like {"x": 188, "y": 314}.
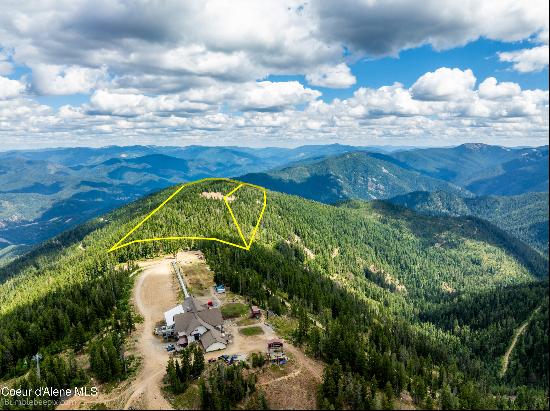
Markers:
{"x": 360, "y": 175}
{"x": 483, "y": 169}
{"x": 246, "y": 156}
{"x": 468, "y": 170}
{"x": 435, "y": 181}
{"x": 44, "y": 192}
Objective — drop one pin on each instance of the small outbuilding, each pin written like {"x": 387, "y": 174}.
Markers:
{"x": 275, "y": 352}
{"x": 255, "y": 311}
{"x": 275, "y": 344}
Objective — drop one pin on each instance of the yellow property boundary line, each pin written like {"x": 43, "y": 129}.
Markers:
{"x": 246, "y": 246}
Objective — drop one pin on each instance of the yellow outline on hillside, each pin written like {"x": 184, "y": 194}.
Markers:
{"x": 246, "y": 245}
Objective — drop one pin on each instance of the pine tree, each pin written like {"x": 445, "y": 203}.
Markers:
{"x": 262, "y": 402}
{"x": 301, "y": 331}
{"x": 178, "y": 370}
{"x": 129, "y": 322}
{"x": 331, "y": 381}
{"x": 98, "y": 364}
{"x": 429, "y": 404}
{"x": 78, "y": 336}
{"x": 449, "y": 401}
{"x": 387, "y": 402}
{"x": 172, "y": 375}
{"x": 198, "y": 363}
{"x": 73, "y": 368}
{"x": 186, "y": 365}
{"x": 115, "y": 362}
{"x": 207, "y": 402}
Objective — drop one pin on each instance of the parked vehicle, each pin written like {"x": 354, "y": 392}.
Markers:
{"x": 170, "y": 347}
{"x": 161, "y": 330}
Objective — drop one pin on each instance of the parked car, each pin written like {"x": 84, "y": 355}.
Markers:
{"x": 233, "y": 359}
{"x": 161, "y": 330}
{"x": 170, "y": 347}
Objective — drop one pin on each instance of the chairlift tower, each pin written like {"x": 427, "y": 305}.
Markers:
{"x": 37, "y": 357}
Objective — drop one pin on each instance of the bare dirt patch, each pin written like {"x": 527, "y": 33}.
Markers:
{"x": 404, "y": 402}
{"x": 517, "y": 333}
{"x": 215, "y": 195}
{"x": 198, "y": 277}
{"x": 388, "y": 279}
{"x": 294, "y": 385}
{"x": 447, "y": 288}
{"x": 297, "y": 240}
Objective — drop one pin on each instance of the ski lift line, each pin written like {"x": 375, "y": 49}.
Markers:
{"x": 180, "y": 279}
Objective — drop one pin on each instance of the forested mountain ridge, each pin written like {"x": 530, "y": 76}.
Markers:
{"x": 403, "y": 297}
{"x": 359, "y": 174}
{"x": 44, "y": 192}
{"x": 525, "y": 216}
{"x": 468, "y": 169}
{"x": 527, "y": 173}
{"x": 449, "y": 177}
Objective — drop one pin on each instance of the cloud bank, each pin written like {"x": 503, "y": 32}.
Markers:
{"x": 214, "y": 72}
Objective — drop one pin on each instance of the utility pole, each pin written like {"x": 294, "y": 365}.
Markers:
{"x": 122, "y": 357}
{"x": 37, "y": 358}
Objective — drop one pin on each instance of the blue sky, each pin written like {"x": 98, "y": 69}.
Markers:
{"x": 283, "y": 73}
{"x": 480, "y": 56}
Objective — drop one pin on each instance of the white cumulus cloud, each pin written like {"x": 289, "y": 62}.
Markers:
{"x": 172, "y": 46}
{"x": 491, "y": 89}
{"x": 10, "y": 88}
{"x": 444, "y": 84}
{"x": 385, "y": 27}
{"x": 132, "y": 104}
{"x": 527, "y": 60}
{"x": 206, "y": 70}
{"x": 267, "y": 95}
{"x": 338, "y": 76}
{"x": 53, "y": 79}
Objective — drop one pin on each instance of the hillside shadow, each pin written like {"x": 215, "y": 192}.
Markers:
{"x": 469, "y": 227}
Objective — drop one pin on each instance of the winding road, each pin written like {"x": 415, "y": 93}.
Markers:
{"x": 519, "y": 331}
{"x": 153, "y": 294}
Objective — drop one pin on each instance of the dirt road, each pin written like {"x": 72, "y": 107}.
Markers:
{"x": 155, "y": 291}
{"x": 519, "y": 331}
{"x": 154, "y": 294}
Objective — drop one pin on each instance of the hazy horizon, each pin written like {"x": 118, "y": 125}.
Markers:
{"x": 396, "y": 147}
{"x": 273, "y": 73}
